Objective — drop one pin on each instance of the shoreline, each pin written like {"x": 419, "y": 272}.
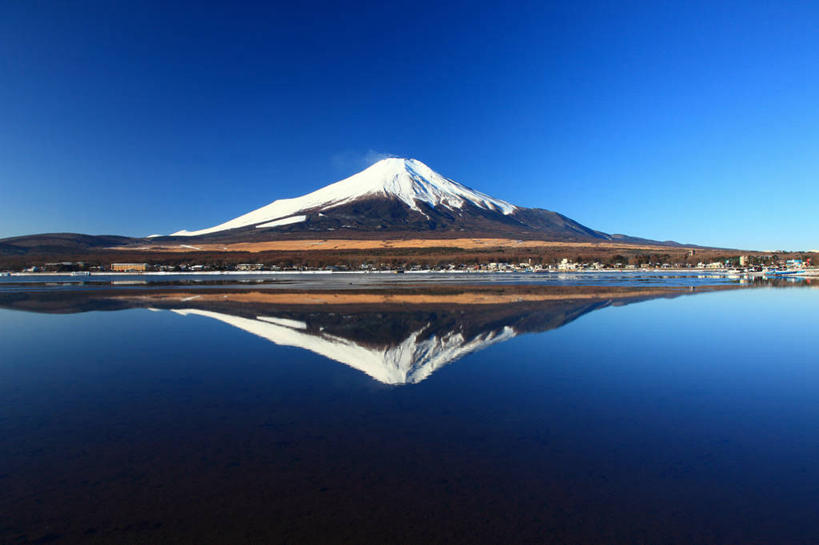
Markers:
{"x": 81, "y": 274}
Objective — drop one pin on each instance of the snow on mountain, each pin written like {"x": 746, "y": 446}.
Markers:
{"x": 408, "y": 180}
{"x": 284, "y": 221}
{"x": 408, "y": 362}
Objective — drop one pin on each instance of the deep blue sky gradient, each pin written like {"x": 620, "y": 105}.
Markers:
{"x": 691, "y": 121}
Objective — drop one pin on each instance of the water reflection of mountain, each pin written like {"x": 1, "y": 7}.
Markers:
{"x": 405, "y": 346}
{"x": 394, "y": 338}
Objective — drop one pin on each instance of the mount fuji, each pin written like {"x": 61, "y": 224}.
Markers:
{"x": 397, "y": 195}
{"x": 394, "y": 198}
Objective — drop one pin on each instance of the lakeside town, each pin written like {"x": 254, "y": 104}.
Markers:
{"x": 739, "y": 264}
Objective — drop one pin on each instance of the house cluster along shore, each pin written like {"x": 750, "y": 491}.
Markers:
{"x": 431, "y": 255}
{"x": 796, "y": 267}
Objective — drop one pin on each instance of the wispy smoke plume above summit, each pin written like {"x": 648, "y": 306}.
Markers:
{"x": 346, "y": 161}
{"x": 372, "y": 157}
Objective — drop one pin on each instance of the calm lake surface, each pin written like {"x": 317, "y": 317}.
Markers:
{"x": 606, "y": 411}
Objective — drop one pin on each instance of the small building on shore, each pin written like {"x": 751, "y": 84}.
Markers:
{"x": 252, "y": 267}
{"x": 129, "y": 267}
{"x": 566, "y": 265}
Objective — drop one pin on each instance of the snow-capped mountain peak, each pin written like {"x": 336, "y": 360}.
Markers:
{"x": 407, "y": 180}
{"x": 412, "y": 181}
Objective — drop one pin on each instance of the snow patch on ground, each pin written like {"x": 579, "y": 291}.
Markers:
{"x": 283, "y": 221}
{"x": 286, "y": 322}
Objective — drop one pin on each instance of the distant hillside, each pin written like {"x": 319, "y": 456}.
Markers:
{"x": 59, "y": 243}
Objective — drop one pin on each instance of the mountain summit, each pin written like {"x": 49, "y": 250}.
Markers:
{"x": 396, "y": 196}
{"x": 407, "y": 180}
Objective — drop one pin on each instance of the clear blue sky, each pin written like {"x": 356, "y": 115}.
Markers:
{"x": 691, "y": 121}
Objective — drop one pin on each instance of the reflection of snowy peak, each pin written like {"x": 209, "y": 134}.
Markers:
{"x": 394, "y": 343}
{"x": 408, "y": 362}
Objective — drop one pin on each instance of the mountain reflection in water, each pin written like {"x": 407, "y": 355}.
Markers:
{"x": 150, "y": 415}
{"x": 395, "y": 338}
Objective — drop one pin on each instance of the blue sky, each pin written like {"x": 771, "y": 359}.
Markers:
{"x": 688, "y": 121}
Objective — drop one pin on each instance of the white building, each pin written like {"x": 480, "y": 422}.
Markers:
{"x": 566, "y": 265}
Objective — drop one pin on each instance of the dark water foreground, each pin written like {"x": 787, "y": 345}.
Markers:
{"x": 599, "y": 415}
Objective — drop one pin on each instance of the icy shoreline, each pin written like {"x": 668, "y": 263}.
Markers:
{"x": 694, "y": 272}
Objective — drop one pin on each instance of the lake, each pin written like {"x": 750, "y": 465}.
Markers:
{"x": 584, "y": 409}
